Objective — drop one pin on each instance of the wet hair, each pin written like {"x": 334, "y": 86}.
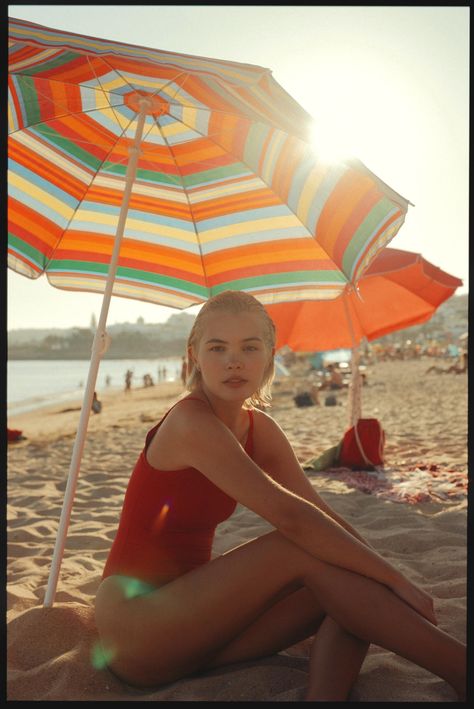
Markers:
{"x": 234, "y": 302}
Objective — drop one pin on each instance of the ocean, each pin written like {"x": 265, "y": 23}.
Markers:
{"x": 35, "y": 383}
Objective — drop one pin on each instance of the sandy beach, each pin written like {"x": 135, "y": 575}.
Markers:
{"x": 414, "y": 512}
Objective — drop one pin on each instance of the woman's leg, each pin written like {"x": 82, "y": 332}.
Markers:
{"x": 336, "y": 659}
{"x": 185, "y": 625}
{"x": 336, "y": 656}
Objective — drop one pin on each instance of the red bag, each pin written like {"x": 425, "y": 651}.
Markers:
{"x": 363, "y": 445}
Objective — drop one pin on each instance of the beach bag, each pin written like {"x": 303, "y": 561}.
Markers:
{"x": 330, "y": 400}
{"x": 303, "y": 399}
{"x": 363, "y": 445}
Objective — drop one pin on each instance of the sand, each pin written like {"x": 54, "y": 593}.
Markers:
{"x": 414, "y": 512}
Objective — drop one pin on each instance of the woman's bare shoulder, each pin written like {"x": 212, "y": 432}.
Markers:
{"x": 167, "y": 447}
{"x": 266, "y": 422}
{"x": 269, "y": 437}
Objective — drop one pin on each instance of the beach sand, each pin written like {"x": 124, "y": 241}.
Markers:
{"x": 414, "y": 514}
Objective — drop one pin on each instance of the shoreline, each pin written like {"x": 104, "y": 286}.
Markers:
{"x": 62, "y": 418}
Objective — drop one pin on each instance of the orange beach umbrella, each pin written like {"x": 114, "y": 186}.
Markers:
{"x": 398, "y": 290}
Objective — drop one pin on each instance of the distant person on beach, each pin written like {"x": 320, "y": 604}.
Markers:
{"x": 459, "y": 367}
{"x": 96, "y": 404}
{"x": 166, "y": 609}
{"x": 128, "y": 379}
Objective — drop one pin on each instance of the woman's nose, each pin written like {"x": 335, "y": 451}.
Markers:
{"x": 234, "y": 361}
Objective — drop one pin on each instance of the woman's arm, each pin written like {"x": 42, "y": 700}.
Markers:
{"x": 277, "y": 457}
{"x": 227, "y": 465}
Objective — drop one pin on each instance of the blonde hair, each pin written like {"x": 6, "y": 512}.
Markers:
{"x": 233, "y": 302}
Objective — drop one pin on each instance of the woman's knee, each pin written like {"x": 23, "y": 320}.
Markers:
{"x": 305, "y": 566}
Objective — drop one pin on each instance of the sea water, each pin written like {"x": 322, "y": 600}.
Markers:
{"x": 35, "y": 383}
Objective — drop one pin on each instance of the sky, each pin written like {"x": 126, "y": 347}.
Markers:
{"x": 388, "y": 84}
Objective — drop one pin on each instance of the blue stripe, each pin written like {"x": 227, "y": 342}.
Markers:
{"x": 37, "y": 181}
{"x": 246, "y": 216}
{"x": 255, "y": 237}
{"x": 38, "y": 206}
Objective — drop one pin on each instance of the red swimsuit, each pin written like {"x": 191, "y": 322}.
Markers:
{"x": 168, "y": 519}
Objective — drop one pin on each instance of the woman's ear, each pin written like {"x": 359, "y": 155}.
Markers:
{"x": 192, "y": 361}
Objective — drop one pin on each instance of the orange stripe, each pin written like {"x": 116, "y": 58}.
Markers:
{"x": 338, "y": 207}
{"x": 368, "y": 201}
{"x": 285, "y": 166}
{"x": 41, "y": 231}
{"x": 284, "y": 249}
{"x": 263, "y": 152}
{"x": 62, "y": 97}
{"x": 84, "y": 128}
{"x": 43, "y": 168}
{"x": 235, "y": 203}
{"x": 75, "y": 240}
{"x": 259, "y": 271}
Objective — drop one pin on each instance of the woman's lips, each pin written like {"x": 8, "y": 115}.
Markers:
{"x": 235, "y": 381}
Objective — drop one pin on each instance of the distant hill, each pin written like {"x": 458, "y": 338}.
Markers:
{"x": 129, "y": 340}
{"x": 146, "y": 340}
{"x": 448, "y": 322}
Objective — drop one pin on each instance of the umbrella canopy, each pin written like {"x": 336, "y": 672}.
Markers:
{"x": 398, "y": 290}
{"x": 168, "y": 178}
{"x": 228, "y": 192}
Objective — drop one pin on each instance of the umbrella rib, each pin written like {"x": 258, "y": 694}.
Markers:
{"x": 189, "y": 205}
{"x": 242, "y": 161}
{"x": 102, "y": 87}
{"x": 93, "y": 176}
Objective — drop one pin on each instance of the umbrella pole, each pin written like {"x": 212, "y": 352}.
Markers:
{"x": 354, "y": 392}
{"x": 99, "y": 346}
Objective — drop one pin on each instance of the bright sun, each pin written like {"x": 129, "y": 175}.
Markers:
{"x": 330, "y": 141}
{"x": 350, "y": 109}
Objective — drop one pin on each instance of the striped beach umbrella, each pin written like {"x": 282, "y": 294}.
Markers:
{"x": 228, "y": 192}
{"x": 168, "y": 178}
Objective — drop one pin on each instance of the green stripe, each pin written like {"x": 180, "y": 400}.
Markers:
{"x": 360, "y": 237}
{"x": 79, "y": 268}
{"x": 29, "y": 98}
{"x": 219, "y": 173}
{"x": 64, "y": 58}
{"x": 146, "y": 175}
{"x": 34, "y": 255}
{"x": 293, "y": 278}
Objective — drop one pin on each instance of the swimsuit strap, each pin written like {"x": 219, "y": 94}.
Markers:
{"x": 153, "y": 430}
{"x": 248, "y": 443}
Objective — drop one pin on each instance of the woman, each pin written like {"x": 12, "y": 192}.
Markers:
{"x": 165, "y": 610}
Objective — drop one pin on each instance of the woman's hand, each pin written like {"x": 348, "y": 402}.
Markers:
{"x": 418, "y": 599}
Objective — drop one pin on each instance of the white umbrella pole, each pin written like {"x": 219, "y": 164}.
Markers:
{"x": 355, "y": 410}
{"x": 98, "y": 348}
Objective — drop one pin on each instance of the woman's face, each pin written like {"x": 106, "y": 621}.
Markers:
{"x": 232, "y": 354}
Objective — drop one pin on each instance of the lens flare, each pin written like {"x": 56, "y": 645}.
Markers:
{"x": 160, "y": 518}
{"x": 100, "y": 656}
{"x": 132, "y": 587}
